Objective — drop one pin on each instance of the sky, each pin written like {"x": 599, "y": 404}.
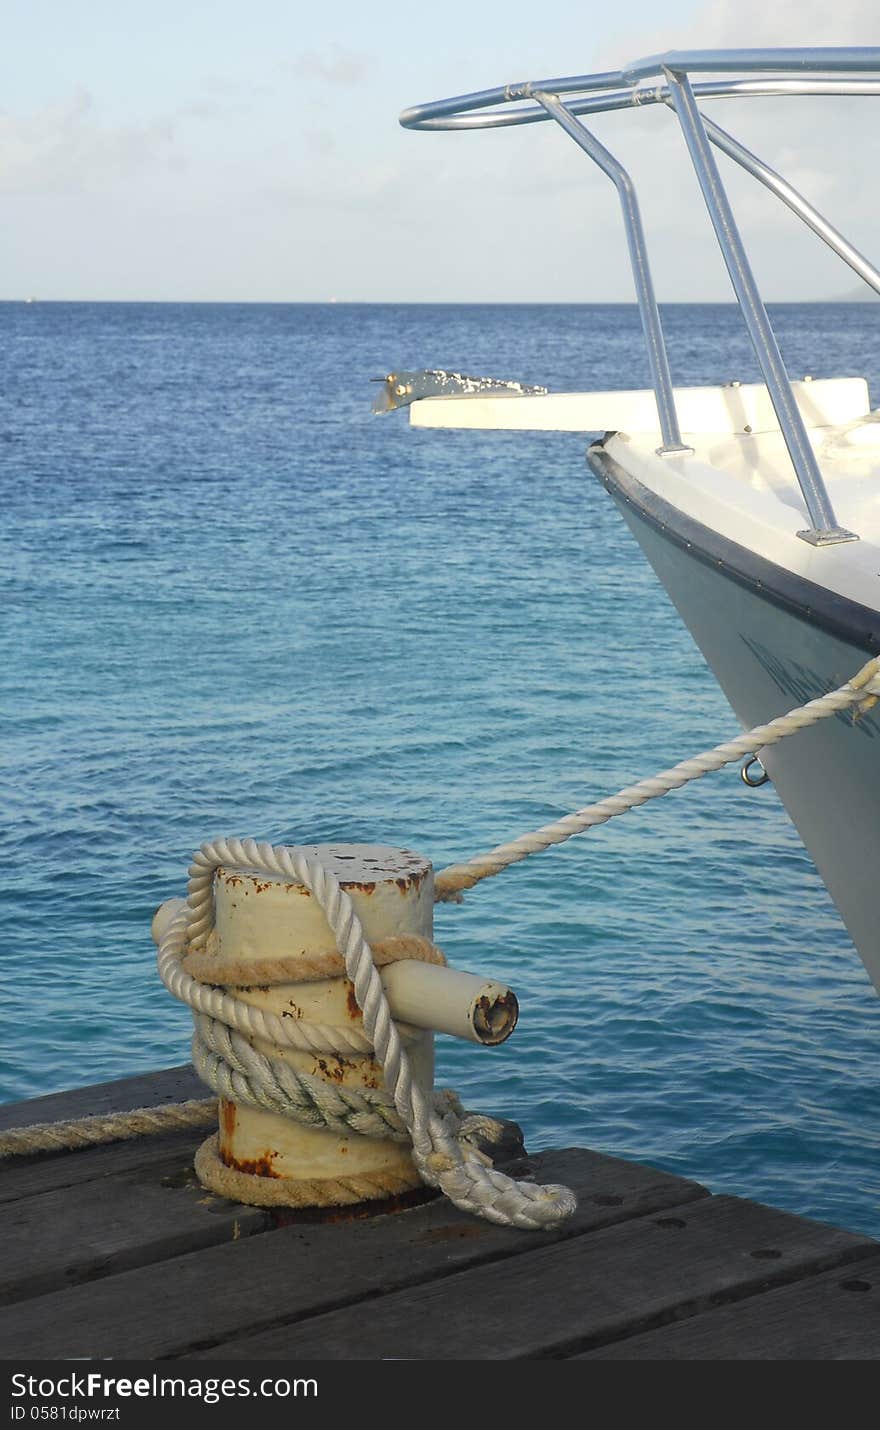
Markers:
{"x": 205, "y": 150}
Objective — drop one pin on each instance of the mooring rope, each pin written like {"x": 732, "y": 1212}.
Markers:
{"x": 97, "y": 1131}
{"x": 442, "y": 1137}
{"x": 861, "y": 692}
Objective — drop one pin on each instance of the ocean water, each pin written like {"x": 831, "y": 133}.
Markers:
{"x": 234, "y": 602}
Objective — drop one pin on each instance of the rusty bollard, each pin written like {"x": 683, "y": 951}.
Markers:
{"x": 269, "y": 938}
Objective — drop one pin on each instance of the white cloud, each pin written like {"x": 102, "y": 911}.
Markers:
{"x": 64, "y": 147}
{"x": 827, "y": 148}
{"x": 297, "y": 141}
{"x": 748, "y": 24}
{"x": 336, "y": 66}
{"x": 756, "y": 23}
{"x": 320, "y": 141}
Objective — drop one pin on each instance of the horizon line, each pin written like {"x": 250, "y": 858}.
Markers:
{"x": 420, "y": 302}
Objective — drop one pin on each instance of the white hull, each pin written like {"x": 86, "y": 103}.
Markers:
{"x": 779, "y": 619}
{"x": 757, "y": 504}
{"x": 768, "y": 660}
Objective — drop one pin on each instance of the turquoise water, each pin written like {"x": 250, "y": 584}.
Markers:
{"x": 234, "y": 602}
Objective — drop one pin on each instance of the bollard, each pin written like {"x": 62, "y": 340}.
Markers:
{"x": 266, "y": 928}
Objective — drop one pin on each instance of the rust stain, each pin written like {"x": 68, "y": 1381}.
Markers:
{"x": 227, "y": 1118}
{"x": 354, "y": 1011}
{"x": 413, "y": 880}
{"x": 333, "y": 1066}
{"x": 357, "y": 1211}
{"x": 495, "y": 1019}
{"x": 254, "y": 1166}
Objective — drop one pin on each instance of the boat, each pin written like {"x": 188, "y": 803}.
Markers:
{"x": 756, "y": 504}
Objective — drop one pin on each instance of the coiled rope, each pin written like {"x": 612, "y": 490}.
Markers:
{"x": 224, "y": 1025}
{"x": 225, "y": 1058}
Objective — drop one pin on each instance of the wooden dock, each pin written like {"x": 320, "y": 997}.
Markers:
{"x": 117, "y": 1252}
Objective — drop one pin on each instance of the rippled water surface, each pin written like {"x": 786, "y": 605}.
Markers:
{"x": 234, "y": 602}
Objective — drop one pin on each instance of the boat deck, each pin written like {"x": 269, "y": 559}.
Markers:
{"x": 117, "y": 1252}
{"x": 736, "y": 476}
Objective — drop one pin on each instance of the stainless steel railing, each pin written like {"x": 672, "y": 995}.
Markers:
{"x": 843, "y": 71}
{"x": 638, "y": 256}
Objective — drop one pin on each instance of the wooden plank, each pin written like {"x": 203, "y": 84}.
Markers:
{"x": 561, "y": 1299}
{"x": 145, "y": 1090}
{"x": 30, "y": 1176}
{"x": 830, "y": 1317}
{"x": 201, "y": 1299}
{"x": 43, "y": 1172}
{"x": 77, "y": 1233}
